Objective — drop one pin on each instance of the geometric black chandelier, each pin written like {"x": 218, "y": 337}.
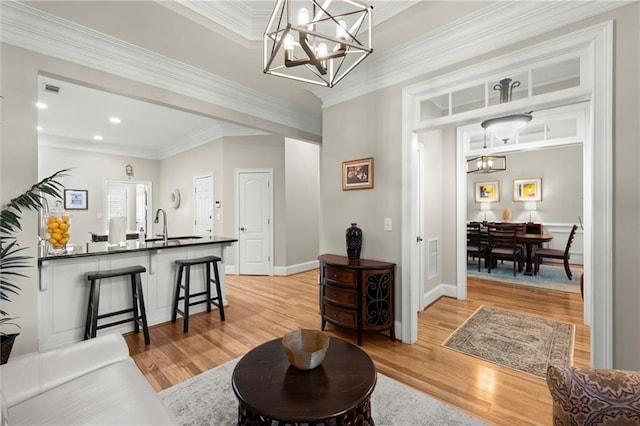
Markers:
{"x": 316, "y": 41}
{"x": 505, "y": 128}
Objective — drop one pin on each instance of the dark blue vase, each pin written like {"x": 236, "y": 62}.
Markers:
{"x": 354, "y": 241}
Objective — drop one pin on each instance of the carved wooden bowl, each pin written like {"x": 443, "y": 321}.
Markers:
{"x": 305, "y": 349}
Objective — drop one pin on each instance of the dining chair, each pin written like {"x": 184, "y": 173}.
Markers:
{"x": 477, "y": 245}
{"x": 503, "y": 246}
{"x": 555, "y": 254}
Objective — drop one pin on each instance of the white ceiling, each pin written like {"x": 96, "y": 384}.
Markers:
{"x": 77, "y": 113}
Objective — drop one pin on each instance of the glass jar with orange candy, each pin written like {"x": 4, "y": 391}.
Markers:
{"x": 58, "y": 224}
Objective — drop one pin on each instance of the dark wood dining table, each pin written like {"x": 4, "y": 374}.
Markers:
{"x": 529, "y": 240}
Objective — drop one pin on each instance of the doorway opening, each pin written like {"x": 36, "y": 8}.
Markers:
{"x": 593, "y": 49}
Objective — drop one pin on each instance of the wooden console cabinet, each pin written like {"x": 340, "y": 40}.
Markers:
{"x": 357, "y": 294}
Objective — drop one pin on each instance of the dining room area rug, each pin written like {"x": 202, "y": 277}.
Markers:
{"x": 208, "y": 399}
{"x": 550, "y": 276}
{"x": 521, "y": 342}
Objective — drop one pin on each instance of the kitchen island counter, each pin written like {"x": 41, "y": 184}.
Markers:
{"x": 103, "y": 247}
{"x": 64, "y": 290}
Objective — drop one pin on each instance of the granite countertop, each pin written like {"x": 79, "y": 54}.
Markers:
{"x": 102, "y": 248}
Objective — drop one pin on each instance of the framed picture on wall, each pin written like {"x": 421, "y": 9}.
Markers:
{"x": 357, "y": 174}
{"x": 488, "y": 192}
{"x": 527, "y": 189}
{"x": 76, "y": 199}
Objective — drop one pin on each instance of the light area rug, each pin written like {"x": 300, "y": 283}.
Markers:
{"x": 522, "y": 342}
{"x": 549, "y": 276}
{"x": 208, "y": 399}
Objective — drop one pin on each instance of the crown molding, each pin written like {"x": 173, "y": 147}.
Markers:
{"x": 236, "y": 16}
{"x": 194, "y": 140}
{"x": 74, "y": 144}
{"x": 498, "y": 25}
{"x": 249, "y": 22}
{"x": 32, "y": 29}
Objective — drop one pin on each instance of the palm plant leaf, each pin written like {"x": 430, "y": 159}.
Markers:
{"x": 32, "y": 199}
{"x": 12, "y": 259}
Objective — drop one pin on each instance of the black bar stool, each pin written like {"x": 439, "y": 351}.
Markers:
{"x": 184, "y": 268}
{"x": 139, "y": 314}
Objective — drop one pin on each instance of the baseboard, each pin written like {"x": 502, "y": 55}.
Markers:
{"x": 281, "y": 270}
{"x": 436, "y": 293}
{"x": 295, "y": 269}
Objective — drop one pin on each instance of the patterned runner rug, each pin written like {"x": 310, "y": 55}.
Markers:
{"x": 208, "y": 399}
{"x": 514, "y": 340}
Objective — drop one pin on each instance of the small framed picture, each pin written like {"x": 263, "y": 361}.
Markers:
{"x": 488, "y": 192}
{"x": 76, "y": 199}
{"x": 357, "y": 174}
{"x": 527, "y": 189}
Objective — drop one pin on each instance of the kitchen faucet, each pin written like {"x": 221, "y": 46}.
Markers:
{"x": 164, "y": 224}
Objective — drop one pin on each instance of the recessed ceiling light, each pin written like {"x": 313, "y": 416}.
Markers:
{"x": 97, "y": 138}
{"x": 39, "y": 128}
{"x": 114, "y": 120}
{"x": 41, "y": 105}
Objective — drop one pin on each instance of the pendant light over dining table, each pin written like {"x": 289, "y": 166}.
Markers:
{"x": 317, "y": 42}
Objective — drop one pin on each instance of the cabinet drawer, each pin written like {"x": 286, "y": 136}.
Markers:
{"x": 340, "y": 316}
{"x": 341, "y": 296}
{"x": 342, "y": 276}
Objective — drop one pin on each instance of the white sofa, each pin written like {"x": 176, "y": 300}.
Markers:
{"x": 94, "y": 382}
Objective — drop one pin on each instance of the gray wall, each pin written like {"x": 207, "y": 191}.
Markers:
{"x": 302, "y": 187}
{"x": 372, "y": 125}
{"x": 561, "y": 172}
{"x": 246, "y": 152}
{"x": 368, "y": 126}
{"x": 177, "y": 172}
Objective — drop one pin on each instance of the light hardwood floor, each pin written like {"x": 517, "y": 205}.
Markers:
{"x": 264, "y": 308}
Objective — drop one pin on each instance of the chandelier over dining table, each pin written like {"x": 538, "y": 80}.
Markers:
{"x": 317, "y": 42}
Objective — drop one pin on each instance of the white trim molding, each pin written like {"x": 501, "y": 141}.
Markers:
{"x": 29, "y": 28}
{"x": 296, "y": 269}
{"x": 596, "y": 46}
{"x": 498, "y": 25}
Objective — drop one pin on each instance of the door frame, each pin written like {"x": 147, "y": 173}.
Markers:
{"x": 149, "y": 184}
{"x": 236, "y": 195}
{"x": 598, "y": 178}
{"x": 213, "y": 199}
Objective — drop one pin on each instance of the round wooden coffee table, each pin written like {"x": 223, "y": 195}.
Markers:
{"x": 271, "y": 391}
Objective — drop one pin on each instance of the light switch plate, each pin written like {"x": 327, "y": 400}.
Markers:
{"x": 387, "y": 224}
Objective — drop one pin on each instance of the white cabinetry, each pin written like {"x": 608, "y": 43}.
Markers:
{"x": 64, "y": 290}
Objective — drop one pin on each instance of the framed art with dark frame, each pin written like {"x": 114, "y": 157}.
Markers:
{"x": 357, "y": 174}
{"x": 527, "y": 189}
{"x": 76, "y": 199}
{"x": 488, "y": 192}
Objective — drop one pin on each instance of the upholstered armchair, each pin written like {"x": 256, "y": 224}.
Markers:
{"x": 584, "y": 396}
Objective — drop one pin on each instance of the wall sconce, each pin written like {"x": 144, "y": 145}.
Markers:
{"x": 128, "y": 169}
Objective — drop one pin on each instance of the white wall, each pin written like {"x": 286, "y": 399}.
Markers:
{"x": 89, "y": 170}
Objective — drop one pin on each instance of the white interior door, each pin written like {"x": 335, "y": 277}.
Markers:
{"x": 254, "y": 209}
{"x": 204, "y": 222}
{"x": 419, "y": 196}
